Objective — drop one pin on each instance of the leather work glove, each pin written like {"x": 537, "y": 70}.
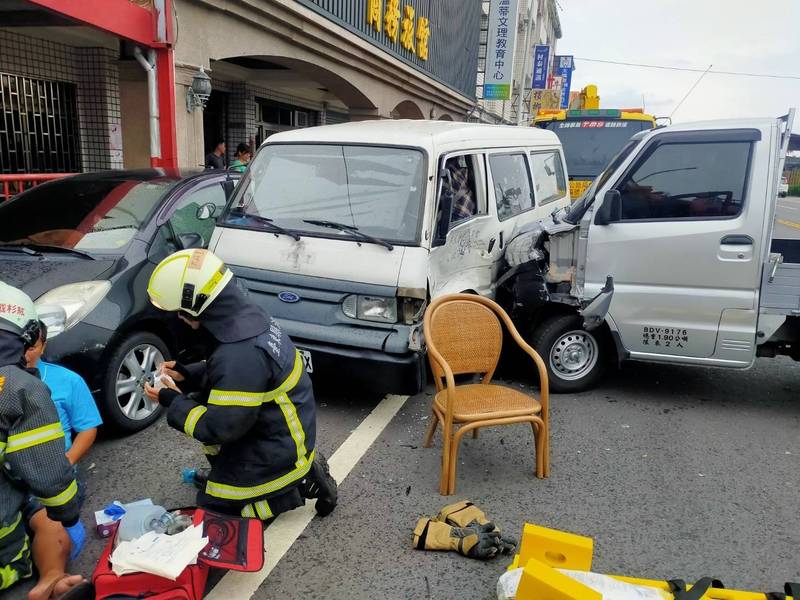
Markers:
{"x": 475, "y": 542}
{"x": 77, "y": 535}
{"x": 466, "y": 514}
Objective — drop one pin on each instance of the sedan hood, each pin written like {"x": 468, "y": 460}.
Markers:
{"x": 36, "y": 275}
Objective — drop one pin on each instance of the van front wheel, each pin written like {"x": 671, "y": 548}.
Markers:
{"x": 575, "y": 358}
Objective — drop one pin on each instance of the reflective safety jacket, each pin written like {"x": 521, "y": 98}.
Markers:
{"x": 254, "y": 414}
{"x": 32, "y": 451}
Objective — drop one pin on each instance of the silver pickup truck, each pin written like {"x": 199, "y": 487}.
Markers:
{"x": 668, "y": 257}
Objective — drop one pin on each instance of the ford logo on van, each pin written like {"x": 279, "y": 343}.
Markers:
{"x": 289, "y": 297}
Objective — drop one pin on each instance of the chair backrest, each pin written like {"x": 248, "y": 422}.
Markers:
{"x": 466, "y": 333}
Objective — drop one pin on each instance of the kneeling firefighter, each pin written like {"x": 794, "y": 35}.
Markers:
{"x": 35, "y": 474}
{"x": 251, "y": 403}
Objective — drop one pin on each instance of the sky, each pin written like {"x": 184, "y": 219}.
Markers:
{"x": 732, "y": 35}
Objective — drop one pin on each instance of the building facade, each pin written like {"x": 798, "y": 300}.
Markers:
{"x": 545, "y": 29}
{"x": 102, "y": 84}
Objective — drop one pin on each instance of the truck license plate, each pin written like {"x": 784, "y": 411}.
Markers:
{"x": 307, "y": 363}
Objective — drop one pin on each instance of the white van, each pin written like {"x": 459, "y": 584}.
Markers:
{"x": 344, "y": 232}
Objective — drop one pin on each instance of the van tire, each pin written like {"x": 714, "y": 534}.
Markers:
{"x": 589, "y": 353}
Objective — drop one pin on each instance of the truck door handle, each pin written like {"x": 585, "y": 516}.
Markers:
{"x": 737, "y": 240}
{"x": 491, "y": 245}
{"x": 776, "y": 259}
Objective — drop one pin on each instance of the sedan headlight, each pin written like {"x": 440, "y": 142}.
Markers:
{"x": 371, "y": 308}
{"x": 75, "y": 299}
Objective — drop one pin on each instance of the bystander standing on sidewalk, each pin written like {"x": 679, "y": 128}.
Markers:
{"x": 216, "y": 159}
{"x": 243, "y": 156}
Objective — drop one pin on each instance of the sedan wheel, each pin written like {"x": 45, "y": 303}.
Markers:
{"x": 133, "y": 363}
{"x": 138, "y": 367}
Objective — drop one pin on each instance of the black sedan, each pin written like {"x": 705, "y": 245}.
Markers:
{"x": 84, "y": 247}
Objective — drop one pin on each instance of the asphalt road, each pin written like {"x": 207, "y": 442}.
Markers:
{"x": 787, "y": 218}
{"x": 675, "y": 472}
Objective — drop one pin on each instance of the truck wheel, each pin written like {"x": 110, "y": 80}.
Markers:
{"x": 575, "y": 358}
{"x": 132, "y": 363}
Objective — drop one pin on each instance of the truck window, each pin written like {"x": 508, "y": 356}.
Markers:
{"x": 549, "y": 183}
{"x": 512, "y": 184}
{"x": 687, "y": 181}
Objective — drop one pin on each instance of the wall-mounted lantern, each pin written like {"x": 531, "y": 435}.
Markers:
{"x": 198, "y": 93}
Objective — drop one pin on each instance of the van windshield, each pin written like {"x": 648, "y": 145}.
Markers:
{"x": 377, "y": 190}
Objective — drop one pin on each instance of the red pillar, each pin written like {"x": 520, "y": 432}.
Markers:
{"x": 165, "y": 70}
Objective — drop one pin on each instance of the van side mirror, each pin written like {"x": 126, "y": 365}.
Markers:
{"x": 443, "y": 220}
{"x": 445, "y": 208}
{"x": 611, "y": 209}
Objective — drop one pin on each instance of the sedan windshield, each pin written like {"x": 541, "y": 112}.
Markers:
{"x": 83, "y": 214}
{"x": 377, "y": 191}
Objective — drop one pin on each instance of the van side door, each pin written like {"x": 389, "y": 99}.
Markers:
{"x": 464, "y": 243}
{"x": 512, "y": 199}
{"x": 683, "y": 241}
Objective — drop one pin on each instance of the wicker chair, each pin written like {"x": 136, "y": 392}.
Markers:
{"x": 464, "y": 335}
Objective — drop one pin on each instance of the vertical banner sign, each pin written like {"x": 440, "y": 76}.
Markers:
{"x": 564, "y": 66}
{"x": 500, "y": 48}
{"x": 541, "y": 59}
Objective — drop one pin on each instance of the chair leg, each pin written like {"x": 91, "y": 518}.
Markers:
{"x": 431, "y": 431}
{"x": 451, "y": 488}
{"x": 546, "y": 445}
{"x": 538, "y": 456}
{"x": 540, "y": 438}
{"x": 444, "y": 476}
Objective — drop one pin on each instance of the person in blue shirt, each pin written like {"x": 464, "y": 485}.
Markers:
{"x": 74, "y": 402}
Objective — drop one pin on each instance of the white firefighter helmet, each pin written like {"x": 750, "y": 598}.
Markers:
{"x": 188, "y": 281}
{"x": 18, "y": 314}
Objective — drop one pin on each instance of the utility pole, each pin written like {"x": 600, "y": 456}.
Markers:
{"x": 525, "y": 61}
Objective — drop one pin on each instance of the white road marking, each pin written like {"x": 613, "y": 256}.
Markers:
{"x": 283, "y": 532}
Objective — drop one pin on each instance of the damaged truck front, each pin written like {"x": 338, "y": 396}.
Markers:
{"x": 668, "y": 257}
{"x": 543, "y": 289}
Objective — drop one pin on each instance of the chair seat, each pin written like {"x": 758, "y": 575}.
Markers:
{"x": 478, "y": 401}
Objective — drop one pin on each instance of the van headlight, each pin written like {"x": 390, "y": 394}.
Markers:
{"x": 76, "y": 299}
{"x": 371, "y": 308}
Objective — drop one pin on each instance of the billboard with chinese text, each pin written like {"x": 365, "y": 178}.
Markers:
{"x": 500, "y": 47}
{"x": 541, "y": 63}
{"x": 563, "y": 66}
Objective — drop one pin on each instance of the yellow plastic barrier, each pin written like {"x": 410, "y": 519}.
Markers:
{"x": 544, "y": 550}
{"x": 555, "y": 548}
{"x": 541, "y": 582}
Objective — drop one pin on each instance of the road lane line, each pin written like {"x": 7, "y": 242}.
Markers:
{"x": 283, "y": 532}
{"x": 788, "y": 223}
